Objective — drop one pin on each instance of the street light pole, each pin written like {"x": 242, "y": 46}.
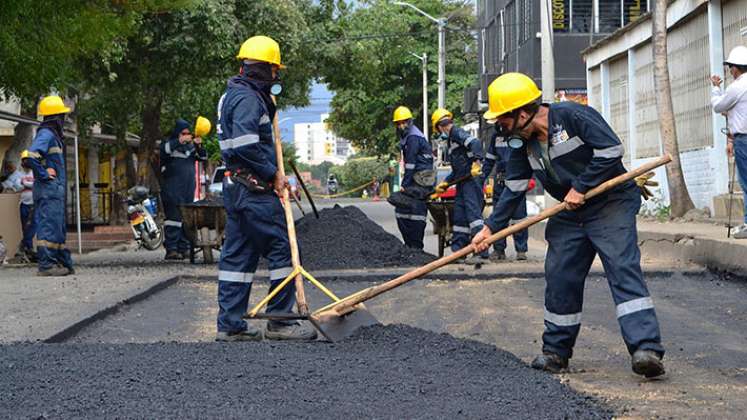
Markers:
{"x": 441, "y": 50}
{"x": 424, "y": 59}
{"x": 441, "y": 62}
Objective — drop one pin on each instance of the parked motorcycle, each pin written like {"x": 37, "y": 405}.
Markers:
{"x": 141, "y": 211}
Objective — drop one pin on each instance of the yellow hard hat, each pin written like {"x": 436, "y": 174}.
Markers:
{"x": 440, "y": 114}
{"x": 261, "y": 48}
{"x": 508, "y": 92}
{"x": 202, "y": 126}
{"x": 402, "y": 113}
{"x": 52, "y": 105}
{"x": 25, "y": 154}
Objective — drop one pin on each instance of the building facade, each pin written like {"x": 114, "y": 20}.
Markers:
{"x": 621, "y": 86}
{"x": 509, "y": 37}
{"x": 316, "y": 143}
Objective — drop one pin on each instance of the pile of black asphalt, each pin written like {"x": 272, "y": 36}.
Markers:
{"x": 345, "y": 238}
{"x": 391, "y": 371}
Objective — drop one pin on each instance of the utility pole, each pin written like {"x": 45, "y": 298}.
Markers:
{"x": 441, "y": 62}
{"x": 546, "y": 49}
{"x": 424, "y": 59}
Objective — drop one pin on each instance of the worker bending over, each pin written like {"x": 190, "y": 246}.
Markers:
{"x": 255, "y": 225}
{"x": 570, "y": 148}
{"x": 418, "y": 180}
{"x": 464, "y": 153}
{"x": 496, "y": 157}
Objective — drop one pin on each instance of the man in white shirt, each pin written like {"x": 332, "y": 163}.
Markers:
{"x": 733, "y": 103}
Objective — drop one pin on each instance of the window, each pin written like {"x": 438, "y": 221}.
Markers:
{"x": 525, "y": 20}
{"x": 581, "y": 16}
{"x": 610, "y": 14}
{"x": 633, "y": 9}
{"x": 510, "y": 25}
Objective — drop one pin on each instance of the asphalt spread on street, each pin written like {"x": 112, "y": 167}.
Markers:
{"x": 393, "y": 371}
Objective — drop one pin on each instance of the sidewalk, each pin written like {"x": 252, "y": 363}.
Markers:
{"x": 700, "y": 243}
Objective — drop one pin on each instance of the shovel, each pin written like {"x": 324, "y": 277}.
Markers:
{"x": 340, "y": 319}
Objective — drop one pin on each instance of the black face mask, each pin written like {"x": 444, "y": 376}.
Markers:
{"x": 55, "y": 123}
{"x": 261, "y": 74}
{"x": 401, "y": 131}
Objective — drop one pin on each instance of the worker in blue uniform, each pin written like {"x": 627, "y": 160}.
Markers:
{"x": 255, "y": 225}
{"x": 418, "y": 180}
{"x": 178, "y": 156}
{"x": 570, "y": 148}
{"x": 464, "y": 153}
{"x": 47, "y": 160}
{"x": 496, "y": 157}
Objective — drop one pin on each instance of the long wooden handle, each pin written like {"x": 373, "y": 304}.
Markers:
{"x": 348, "y": 304}
{"x": 303, "y": 307}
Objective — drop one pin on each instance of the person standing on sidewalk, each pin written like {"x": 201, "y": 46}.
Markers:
{"x": 733, "y": 103}
{"x": 28, "y": 220}
{"x": 47, "y": 159}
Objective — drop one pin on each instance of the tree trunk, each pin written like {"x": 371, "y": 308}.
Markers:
{"x": 23, "y": 134}
{"x": 147, "y": 152}
{"x": 679, "y": 198}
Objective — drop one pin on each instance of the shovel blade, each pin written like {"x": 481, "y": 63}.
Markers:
{"x": 336, "y": 328}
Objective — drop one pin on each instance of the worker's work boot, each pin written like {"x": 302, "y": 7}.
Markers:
{"x": 295, "y": 331}
{"x": 521, "y": 256}
{"x": 647, "y": 363}
{"x": 475, "y": 260}
{"x": 70, "y": 271}
{"x": 550, "y": 362}
{"x": 53, "y": 272}
{"x": 173, "y": 255}
{"x": 251, "y": 333}
{"x": 498, "y": 256}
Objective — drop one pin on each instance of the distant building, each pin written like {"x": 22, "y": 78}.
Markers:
{"x": 316, "y": 143}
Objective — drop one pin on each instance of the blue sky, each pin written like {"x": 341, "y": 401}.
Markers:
{"x": 320, "y": 98}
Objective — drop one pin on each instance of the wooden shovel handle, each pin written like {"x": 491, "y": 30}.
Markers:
{"x": 348, "y": 304}
{"x": 303, "y": 307}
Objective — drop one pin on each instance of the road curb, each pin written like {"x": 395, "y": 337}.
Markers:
{"x": 75, "y": 328}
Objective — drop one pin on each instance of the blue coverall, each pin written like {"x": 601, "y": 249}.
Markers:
{"x": 256, "y": 223}
{"x": 178, "y": 175}
{"x": 496, "y": 157}
{"x": 418, "y": 156}
{"x": 582, "y": 152}
{"x": 49, "y": 194}
{"x": 463, "y": 151}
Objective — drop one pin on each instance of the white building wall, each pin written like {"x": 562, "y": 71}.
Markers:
{"x": 315, "y": 144}
{"x": 697, "y": 42}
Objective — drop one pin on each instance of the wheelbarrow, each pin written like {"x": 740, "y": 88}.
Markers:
{"x": 203, "y": 223}
{"x": 441, "y": 211}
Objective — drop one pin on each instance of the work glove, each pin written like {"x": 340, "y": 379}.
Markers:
{"x": 644, "y": 181}
{"x": 476, "y": 169}
{"x": 442, "y": 187}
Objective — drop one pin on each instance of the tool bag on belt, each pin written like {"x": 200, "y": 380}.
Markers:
{"x": 249, "y": 180}
{"x": 426, "y": 178}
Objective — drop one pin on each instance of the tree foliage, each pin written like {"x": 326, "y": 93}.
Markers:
{"x": 42, "y": 42}
{"x": 356, "y": 172}
{"x": 366, "y": 60}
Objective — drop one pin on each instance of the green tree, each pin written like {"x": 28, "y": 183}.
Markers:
{"x": 177, "y": 62}
{"x": 356, "y": 172}
{"x": 365, "y": 59}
